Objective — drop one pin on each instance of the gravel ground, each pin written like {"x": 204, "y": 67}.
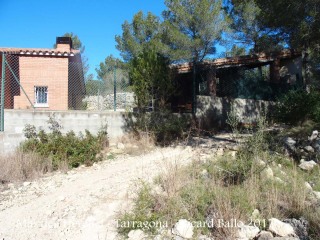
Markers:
{"x": 83, "y": 203}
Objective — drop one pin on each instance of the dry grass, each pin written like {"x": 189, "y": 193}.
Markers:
{"x": 20, "y": 166}
{"x": 137, "y": 145}
{"x": 200, "y": 189}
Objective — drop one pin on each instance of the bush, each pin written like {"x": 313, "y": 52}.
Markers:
{"x": 167, "y": 127}
{"x": 164, "y": 126}
{"x": 69, "y": 148}
{"x": 297, "y": 106}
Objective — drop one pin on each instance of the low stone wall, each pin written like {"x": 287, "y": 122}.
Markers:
{"x": 78, "y": 121}
{"x": 212, "y": 111}
{"x": 124, "y": 101}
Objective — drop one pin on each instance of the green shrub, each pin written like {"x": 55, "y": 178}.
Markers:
{"x": 151, "y": 81}
{"x": 167, "y": 126}
{"x": 143, "y": 212}
{"x": 69, "y": 148}
{"x": 164, "y": 125}
{"x": 297, "y": 106}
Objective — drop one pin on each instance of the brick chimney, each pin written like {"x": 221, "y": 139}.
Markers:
{"x": 64, "y": 44}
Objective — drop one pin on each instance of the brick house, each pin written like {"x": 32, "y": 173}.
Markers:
{"x": 43, "y": 78}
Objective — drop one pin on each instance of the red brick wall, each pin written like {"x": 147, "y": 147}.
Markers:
{"x": 11, "y": 87}
{"x": 44, "y": 71}
{"x": 63, "y": 47}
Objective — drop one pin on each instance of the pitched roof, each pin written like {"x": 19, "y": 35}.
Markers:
{"x": 40, "y": 52}
{"x": 247, "y": 60}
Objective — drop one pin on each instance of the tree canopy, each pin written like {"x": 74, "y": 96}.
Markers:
{"x": 150, "y": 76}
{"x": 144, "y": 32}
{"x": 108, "y": 65}
{"x": 297, "y": 22}
{"x": 189, "y": 31}
{"x": 193, "y": 27}
{"x": 247, "y": 29}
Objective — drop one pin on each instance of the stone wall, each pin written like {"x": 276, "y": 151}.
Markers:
{"x": 212, "y": 111}
{"x": 124, "y": 101}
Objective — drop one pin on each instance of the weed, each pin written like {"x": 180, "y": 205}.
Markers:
{"x": 19, "y": 166}
{"x": 232, "y": 189}
{"x": 137, "y": 144}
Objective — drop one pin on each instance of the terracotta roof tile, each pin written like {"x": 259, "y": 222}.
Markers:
{"x": 39, "y": 51}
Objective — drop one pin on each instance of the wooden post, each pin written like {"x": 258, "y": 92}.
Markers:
{"x": 275, "y": 71}
{"x": 211, "y": 82}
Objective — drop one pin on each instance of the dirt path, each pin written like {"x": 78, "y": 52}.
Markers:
{"x": 82, "y": 204}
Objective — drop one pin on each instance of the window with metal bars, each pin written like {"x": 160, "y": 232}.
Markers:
{"x": 41, "y": 96}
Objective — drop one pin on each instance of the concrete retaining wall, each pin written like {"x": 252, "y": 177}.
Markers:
{"x": 212, "y": 111}
{"x": 78, "y": 121}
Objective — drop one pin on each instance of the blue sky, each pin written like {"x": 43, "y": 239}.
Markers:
{"x": 37, "y": 23}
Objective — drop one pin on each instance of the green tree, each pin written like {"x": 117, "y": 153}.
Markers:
{"x": 114, "y": 71}
{"x": 95, "y": 87}
{"x": 193, "y": 27}
{"x": 298, "y": 24}
{"x": 108, "y": 65}
{"x": 236, "y": 51}
{"x": 144, "y": 32}
{"x": 247, "y": 29}
{"x": 150, "y": 76}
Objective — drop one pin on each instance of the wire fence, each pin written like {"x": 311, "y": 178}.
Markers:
{"x": 54, "y": 81}
{"x": 113, "y": 92}
{"x": 58, "y": 83}
{"x": 245, "y": 83}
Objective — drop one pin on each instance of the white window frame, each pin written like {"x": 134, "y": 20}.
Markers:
{"x": 45, "y": 90}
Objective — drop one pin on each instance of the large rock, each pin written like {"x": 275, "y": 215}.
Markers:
{"x": 265, "y": 235}
{"x": 248, "y": 232}
{"x": 280, "y": 228}
{"x": 300, "y": 227}
{"x": 290, "y": 143}
{"x": 136, "y": 235}
{"x": 308, "y": 186}
{"x": 309, "y": 149}
{"x": 259, "y": 162}
{"x": 316, "y": 146}
{"x": 183, "y": 228}
{"x": 267, "y": 173}
{"x": 316, "y": 194}
{"x": 313, "y": 136}
{"x": 307, "y": 165}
